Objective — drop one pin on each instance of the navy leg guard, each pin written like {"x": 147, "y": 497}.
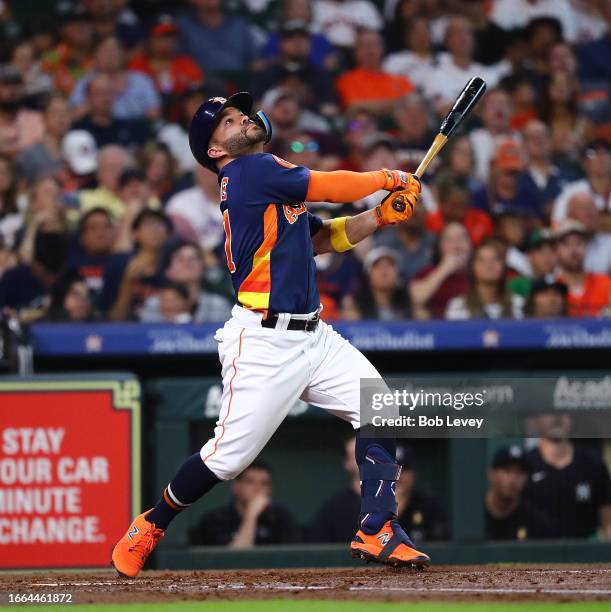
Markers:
{"x": 379, "y": 472}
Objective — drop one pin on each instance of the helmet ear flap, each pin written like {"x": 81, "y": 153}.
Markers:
{"x": 260, "y": 118}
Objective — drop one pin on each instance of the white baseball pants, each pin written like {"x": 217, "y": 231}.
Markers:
{"x": 264, "y": 372}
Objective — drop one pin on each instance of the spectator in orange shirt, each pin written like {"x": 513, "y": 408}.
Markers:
{"x": 454, "y": 205}
{"x": 367, "y": 85}
{"x": 171, "y": 72}
{"x": 589, "y": 293}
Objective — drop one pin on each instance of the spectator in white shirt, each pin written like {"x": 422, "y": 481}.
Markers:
{"x": 581, "y": 208}
{"x": 590, "y": 23}
{"x": 456, "y": 67}
{"x": 596, "y": 161}
{"x": 339, "y": 20}
{"x": 198, "y": 208}
{"x": 511, "y": 14}
{"x": 417, "y": 60}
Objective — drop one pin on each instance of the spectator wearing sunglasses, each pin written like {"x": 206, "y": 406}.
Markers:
{"x": 304, "y": 150}
{"x": 289, "y": 118}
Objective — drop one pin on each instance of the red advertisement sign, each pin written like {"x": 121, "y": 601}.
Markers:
{"x": 69, "y": 469}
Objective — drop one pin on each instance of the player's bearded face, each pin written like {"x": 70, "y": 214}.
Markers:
{"x": 248, "y": 136}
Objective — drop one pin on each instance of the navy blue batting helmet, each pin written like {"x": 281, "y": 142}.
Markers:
{"x": 207, "y": 117}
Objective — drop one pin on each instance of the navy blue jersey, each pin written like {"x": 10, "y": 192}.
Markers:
{"x": 268, "y": 234}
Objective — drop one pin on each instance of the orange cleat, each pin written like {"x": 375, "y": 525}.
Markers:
{"x": 133, "y": 549}
{"x": 391, "y": 545}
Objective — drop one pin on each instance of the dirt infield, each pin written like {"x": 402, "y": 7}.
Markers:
{"x": 456, "y": 583}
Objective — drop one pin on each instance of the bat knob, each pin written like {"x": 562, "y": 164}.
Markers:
{"x": 398, "y": 204}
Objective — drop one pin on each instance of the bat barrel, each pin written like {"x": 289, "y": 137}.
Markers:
{"x": 450, "y": 123}
{"x": 467, "y": 99}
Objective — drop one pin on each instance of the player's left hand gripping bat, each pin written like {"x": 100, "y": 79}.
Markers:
{"x": 468, "y": 98}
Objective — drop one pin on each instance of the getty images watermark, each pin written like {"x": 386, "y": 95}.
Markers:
{"x": 412, "y": 401}
{"x": 465, "y": 406}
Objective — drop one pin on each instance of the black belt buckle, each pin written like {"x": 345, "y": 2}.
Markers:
{"x": 312, "y": 324}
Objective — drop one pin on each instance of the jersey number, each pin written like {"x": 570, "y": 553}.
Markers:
{"x": 292, "y": 212}
{"x": 228, "y": 254}
{"x": 224, "y": 182}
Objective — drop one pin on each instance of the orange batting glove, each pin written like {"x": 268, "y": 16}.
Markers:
{"x": 398, "y": 206}
{"x": 397, "y": 179}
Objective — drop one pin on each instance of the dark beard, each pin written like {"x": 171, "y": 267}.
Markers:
{"x": 239, "y": 144}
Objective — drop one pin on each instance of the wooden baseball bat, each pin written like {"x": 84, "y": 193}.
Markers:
{"x": 437, "y": 145}
{"x": 467, "y": 99}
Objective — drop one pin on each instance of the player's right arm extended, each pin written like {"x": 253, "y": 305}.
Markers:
{"x": 342, "y": 186}
{"x": 343, "y": 233}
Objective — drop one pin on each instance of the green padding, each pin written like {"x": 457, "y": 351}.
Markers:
{"x": 196, "y": 399}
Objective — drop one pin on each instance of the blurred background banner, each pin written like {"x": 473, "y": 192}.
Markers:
{"x": 69, "y": 468}
{"x": 158, "y": 339}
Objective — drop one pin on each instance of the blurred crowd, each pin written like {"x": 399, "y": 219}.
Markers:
{"x": 104, "y": 214}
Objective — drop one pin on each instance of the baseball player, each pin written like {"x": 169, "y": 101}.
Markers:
{"x": 275, "y": 348}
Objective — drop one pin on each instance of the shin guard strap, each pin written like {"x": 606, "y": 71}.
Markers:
{"x": 379, "y": 471}
{"x": 371, "y": 474}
